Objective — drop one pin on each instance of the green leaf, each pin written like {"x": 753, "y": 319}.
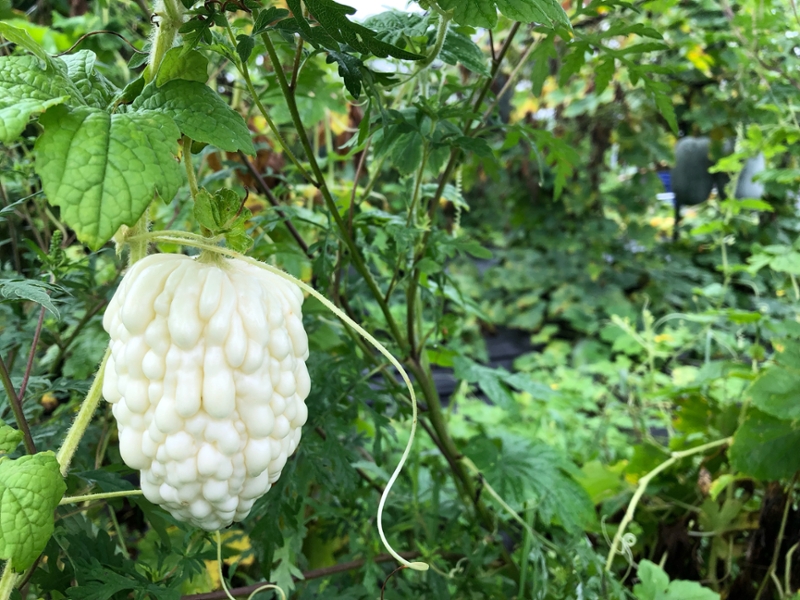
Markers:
{"x": 655, "y": 585}
{"x": 224, "y": 214}
{"x": 603, "y": 74}
{"x": 30, "y": 489}
{"x": 25, "y": 90}
{"x": 460, "y": 48}
{"x": 104, "y": 170}
{"x": 337, "y": 29}
{"x": 95, "y": 89}
{"x": 545, "y": 50}
{"x": 29, "y": 289}
{"x": 245, "y": 47}
{"x": 267, "y": 17}
{"x": 22, "y": 38}
{"x": 199, "y": 112}
{"x": 9, "y": 438}
{"x": 406, "y": 152}
{"x": 349, "y": 70}
{"x": 181, "y": 64}
{"x": 777, "y": 393}
{"x": 483, "y": 13}
{"x": 765, "y": 447}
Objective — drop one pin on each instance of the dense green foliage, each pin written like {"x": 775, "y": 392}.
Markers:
{"x": 445, "y": 185}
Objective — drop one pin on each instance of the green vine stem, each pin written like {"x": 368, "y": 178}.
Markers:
{"x": 171, "y": 14}
{"x": 7, "y": 581}
{"x": 441, "y": 36}
{"x": 330, "y": 203}
{"x": 75, "y": 433}
{"x": 103, "y": 496}
{"x": 248, "y": 81}
{"x": 642, "y": 487}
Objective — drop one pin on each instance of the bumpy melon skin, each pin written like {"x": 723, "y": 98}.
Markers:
{"x": 208, "y": 382}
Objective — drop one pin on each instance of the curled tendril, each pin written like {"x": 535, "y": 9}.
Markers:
{"x": 107, "y": 32}
{"x": 627, "y": 542}
{"x": 226, "y": 589}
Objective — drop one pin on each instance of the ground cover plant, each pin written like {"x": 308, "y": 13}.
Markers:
{"x": 250, "y": 247}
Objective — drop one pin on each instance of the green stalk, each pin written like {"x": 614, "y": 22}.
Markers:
{"x": 103, "y": 496}
{"x": 330, "y": 203}
{"x": 75, "y": 433}
{"x": 245, "y": 73}
{"x": 7, "y": 581}
{"x": 171, "y": 13}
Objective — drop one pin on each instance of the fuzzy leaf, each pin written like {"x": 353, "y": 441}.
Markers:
{"x": 199, "y": 112}
{"x": 95, "y": 89}
{"x": 30, "y": 489}
{"x": 9, "y": 438}
{"x": 181, "y": 64}
{"x": 104, "y": 170}
{"x": 25, "y": 90}
{"x": 29, "y": 289}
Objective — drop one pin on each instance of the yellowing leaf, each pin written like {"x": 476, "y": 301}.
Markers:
{"x": 235, "y": 540}
{"x": 339, "y": 122}
{"x": 701, "y": 61}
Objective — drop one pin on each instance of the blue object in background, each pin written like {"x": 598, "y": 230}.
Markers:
{"x": 666, "y": 179}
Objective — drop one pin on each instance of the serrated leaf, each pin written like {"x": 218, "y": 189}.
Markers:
{"x": 30, "y": 489}
{"x": 267, "y": 17}
{"x": 477, "y": 145}
{"x": 460, "y": 48}
{"x": 338, "y": 29}
{"x": 182, "y": 64}
{"x": 223, "y": 213}
{"x": 199, "y": 112}
{"x": 244, "y": 47}
{"x": 520, "y": 471}
{"x": 545, "y": 50}
{"x": 104, "y": 170}
{"x": 603, "y": 74}
{"x": 9, "y": 438}
{"x": 349, "y": 71}
{"x": 406, "y": 152}
{"x": 393, "y": 26}
{"x": 93, "y": 86}
{"x": 765, "y": 447}
{"x": 483, "y": 13}
{"x": 25, "y": 90}
{"x": 29, "y": 289}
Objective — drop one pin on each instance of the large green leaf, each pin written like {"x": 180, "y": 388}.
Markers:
{"x": 458, "y": 47}
{"x": 9, "y": 438}
{"x": 96, "y": 89}
{"x": 777, "y": 389}
{"x": 199, "y": 112}
{"x": 30, "y": 489}
{"x": 104, "y": 170}
{"x": 765, "y": 447}
{"x": 655, "y": 585}
{"x": 336, "y": 28}
{"x": 483, "y": 13}
{"x": 26, "y": 89}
